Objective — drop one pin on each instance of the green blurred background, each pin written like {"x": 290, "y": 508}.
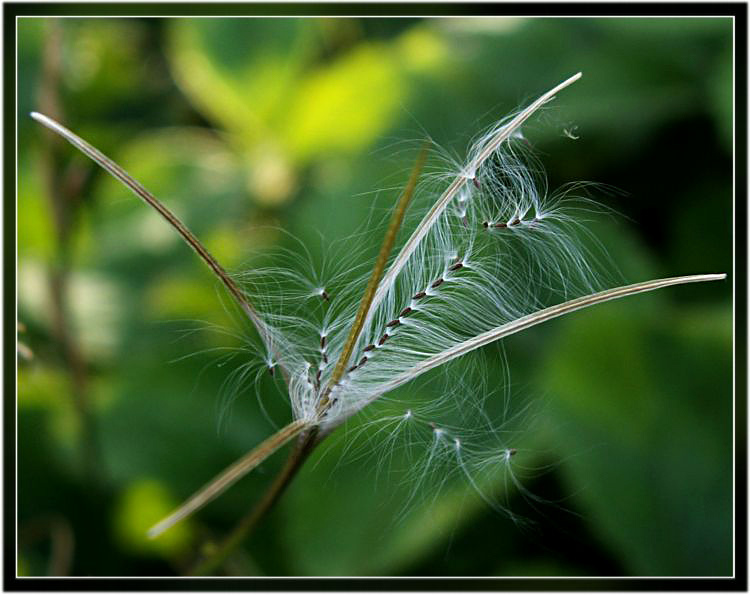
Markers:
{"x": 248, "y": 126}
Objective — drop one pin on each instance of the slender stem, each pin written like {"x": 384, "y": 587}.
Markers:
{"x": 385, "y": 250}
{"x": 305, "y": 445}
{"x": 536, "y": 318}
{"x": 231, "y": 475}
{"x": 137, "y": 188}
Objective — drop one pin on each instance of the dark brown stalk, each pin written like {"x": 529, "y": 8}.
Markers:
{"x": 302, "y": 450}
{"x": 231, "y": 475}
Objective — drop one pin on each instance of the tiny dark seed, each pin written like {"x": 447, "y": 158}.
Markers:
{"x": 456, "y": 267}
{"x": 270, "y": 370}
{"x": 486, "y": 224}
{"x": 419, "y": 296}
{"x": 515, "y": 221}
{"x": 351, "y": 369}
{"x": 500, "y": 225}
{"x": 384, "y": 338}
{"x": 437, "y": 283}
{"x": 323, "y": 342}
{"x": 476, "y": 182}
{"x": 404, "y": 312}
{"x": 395, "y": 322}
{"x": 362, "y": 362}
{"x": 317, "y": 376}
{"x": 370, "y": 347}
{"x": 325, "y": 358}
{"x": 324, "y": 295}
{"x": 512, "y": 451}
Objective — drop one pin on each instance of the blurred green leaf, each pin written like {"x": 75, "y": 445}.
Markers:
{"x": 281, "y": 108}
{"x": 346, "y": 105}
{"x": 35, "y": 225}
{"x": 240, "y": 71}
{"x": 143, "y": 504}
{"x": 94, "y": 307}
{"x": 647, "y": 422}
{"x": 23, "y": 568}
{"x": 722, "y": 99}
{"x": 46, "y": 392}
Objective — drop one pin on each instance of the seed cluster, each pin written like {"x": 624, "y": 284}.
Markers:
{"x": 516, "y": 221}
{"x": 396, "y": 322}
{"x": 323, "y": 360}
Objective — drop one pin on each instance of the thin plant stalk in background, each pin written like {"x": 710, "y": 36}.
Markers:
{"x": 486, "y": 258}
{"x": 63, "y": 187}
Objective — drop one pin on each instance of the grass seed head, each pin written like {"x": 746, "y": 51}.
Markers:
{"x": 493, "y": 252}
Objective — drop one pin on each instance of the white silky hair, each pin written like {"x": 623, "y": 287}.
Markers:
{"x": 500, "y": 249}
